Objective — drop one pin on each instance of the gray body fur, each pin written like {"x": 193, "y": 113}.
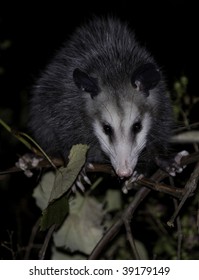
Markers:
{"x": 61, "y": 114}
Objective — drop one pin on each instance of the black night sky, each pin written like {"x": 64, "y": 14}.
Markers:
{"x": 167, "y": 28}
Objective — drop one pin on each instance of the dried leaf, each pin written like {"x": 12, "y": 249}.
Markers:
{"x": 60, "y": 255}
{"x": 83, "y": 227}
{"x": 113, "y": 200}
{"x": 43, "y": 190}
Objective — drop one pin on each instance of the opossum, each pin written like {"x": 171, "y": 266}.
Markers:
{"x": 104, "y": 89}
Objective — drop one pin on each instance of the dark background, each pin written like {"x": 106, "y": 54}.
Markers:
{"x": 29, "y": 36}
{"x": 167, "y": 28}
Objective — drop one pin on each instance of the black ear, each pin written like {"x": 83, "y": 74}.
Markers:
{"x": 85, "y": 82}
{"x": 145, "y": 77}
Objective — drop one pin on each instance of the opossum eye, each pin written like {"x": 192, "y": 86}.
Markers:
{"x": 108, "y": 129}
{"x": 146, "y": 77}
{"x": 137, "y": 127}
{"x": 85, "y": 82}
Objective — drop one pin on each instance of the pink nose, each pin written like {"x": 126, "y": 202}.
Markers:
{"x": 124, "y": 172}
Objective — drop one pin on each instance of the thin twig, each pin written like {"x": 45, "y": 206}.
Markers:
{"x": 197, "y": 218}
{"x": 131, "y": 239}
{"x": 185, "y": 128}
{"x": 9, "y": 245}
{"x": 31, "y": 240}
{"x": 178, "y": 222}
{"x": 46, "y": 242}
{"x": 175, "y": 192}
{"x": 190, "y": 187}
{"x": 180, "y": 237}
{"x": 179, "y": 232}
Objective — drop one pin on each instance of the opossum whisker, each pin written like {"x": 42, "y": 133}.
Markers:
{"x": 106, "y": 146}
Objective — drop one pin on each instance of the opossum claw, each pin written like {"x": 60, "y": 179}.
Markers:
{"x": 81, "y": 179}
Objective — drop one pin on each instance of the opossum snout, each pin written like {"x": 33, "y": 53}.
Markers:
{"x": 125, "y": 167}
{"x": 124, "y": 173}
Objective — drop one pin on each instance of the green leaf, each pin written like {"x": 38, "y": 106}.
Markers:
{"x": 66, "y": 176}
{"x": 51, "y": 192}
{"x": 55, "y": 213}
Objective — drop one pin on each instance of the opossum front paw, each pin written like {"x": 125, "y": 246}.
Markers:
{"x": 135, "y": 177}
{"x": 81, "y": 179}
{"x": 28, "y": 161}
{"x": 128, "y": 183}
{"x": 175, "y": 165}
{"x": 172, "y": 166}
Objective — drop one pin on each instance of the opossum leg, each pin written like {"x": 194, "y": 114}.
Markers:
{"x": 172, "y": 165}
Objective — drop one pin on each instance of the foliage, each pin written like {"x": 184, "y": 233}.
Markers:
{"x": 53, "y": 191}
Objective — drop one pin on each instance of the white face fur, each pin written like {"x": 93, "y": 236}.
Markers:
{"x": 122, "y": 136}
{"x": 119, "y": 111}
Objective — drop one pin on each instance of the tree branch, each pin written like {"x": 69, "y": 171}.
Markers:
{"x": 46, "y": 242}
{"x": 141, "y": 194}
{"x": 189, "y": 188}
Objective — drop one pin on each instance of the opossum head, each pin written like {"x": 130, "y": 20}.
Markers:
{"x": 121, "y": 116}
